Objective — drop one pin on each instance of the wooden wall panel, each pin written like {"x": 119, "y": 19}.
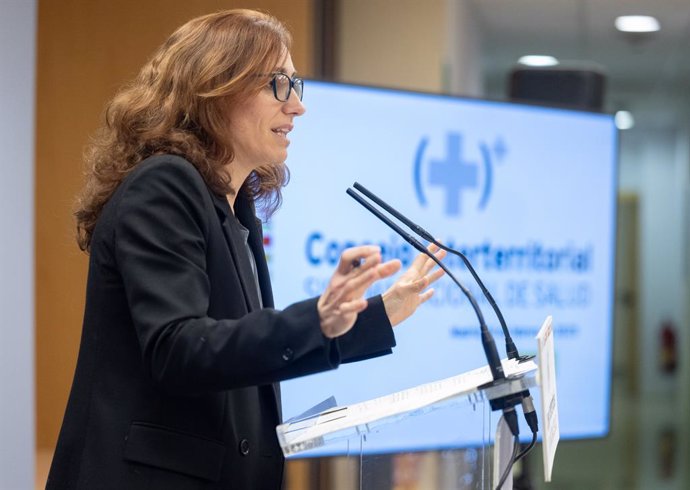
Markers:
{"x": 86, "y": 49}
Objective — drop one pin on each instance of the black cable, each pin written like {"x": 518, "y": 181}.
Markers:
{"x": 524, "y": 452}
{"x": 509, "y": 466}
{"x": 511, "y": 349}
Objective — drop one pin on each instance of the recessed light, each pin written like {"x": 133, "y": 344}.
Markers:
{"x": 637, "y": 23}
{"x": 538, "y": 60}
{"x": 624, "y": 120}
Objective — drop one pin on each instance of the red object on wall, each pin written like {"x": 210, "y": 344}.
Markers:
{"x": 668, "y": 340}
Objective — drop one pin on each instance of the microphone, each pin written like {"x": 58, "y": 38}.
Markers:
{"x": 511, "y": 349}
{"x": 524, "y": 397}
{"x": 492, "y": 358}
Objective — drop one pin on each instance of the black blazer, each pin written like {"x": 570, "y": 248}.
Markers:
{"x": 176, "y": 381}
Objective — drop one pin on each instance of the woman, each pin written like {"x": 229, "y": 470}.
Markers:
{"x": 176, "y": 384}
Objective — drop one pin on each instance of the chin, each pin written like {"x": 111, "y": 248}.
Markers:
{"x": 280, "y": 159}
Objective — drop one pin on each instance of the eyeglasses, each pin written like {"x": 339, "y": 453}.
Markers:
{"x": 283, "y": 85}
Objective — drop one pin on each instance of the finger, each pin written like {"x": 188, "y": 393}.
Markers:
{"x": 436, "y": 275}
{"x": 366, "y": 263}
{"x": 423, "y": 263}
{"x": 430, "y": 264}
{"x": 416, "y": 286}
{"x": 389, "y": 268}
{"x": 424, "y": 297}
{"x": 338, "y": 294}
{"x": 354, "y": 306}
{"x": 426, "y": 266}
{"x": 419, "y": 262}
{"x": 440, "y": 254}
{"x": 422, "y": 283}
{"x": 362, "y": 264}
{"x": 356, "y": 285}
{"x": 433, "y": 249}
{"x": 352, "y": 254}
{"x": 381, "y": 271}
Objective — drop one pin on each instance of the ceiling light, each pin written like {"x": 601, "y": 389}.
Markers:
{"x": 538, "y": 60}
{"x": 637, "y": 23}
{"x": 624, "y": 120}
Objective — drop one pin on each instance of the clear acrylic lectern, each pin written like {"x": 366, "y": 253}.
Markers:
{"x": 459, "y": 401}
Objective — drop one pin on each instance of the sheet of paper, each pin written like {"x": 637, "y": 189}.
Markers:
{"x": 549, "y": 399}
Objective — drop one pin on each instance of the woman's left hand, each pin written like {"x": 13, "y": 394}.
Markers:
{"x": 410, "y": 290}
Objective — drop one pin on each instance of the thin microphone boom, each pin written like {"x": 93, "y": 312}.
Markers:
{"x": 488, "y": 343}
{"x": 511, "y": 349}
{"x": 507, "y": 403}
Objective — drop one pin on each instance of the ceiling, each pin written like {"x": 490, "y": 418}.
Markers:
{"x": 648, "y": 73}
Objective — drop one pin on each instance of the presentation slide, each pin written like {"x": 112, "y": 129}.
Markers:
{"x": 528, "y": 193}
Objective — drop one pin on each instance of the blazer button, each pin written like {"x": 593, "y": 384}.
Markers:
{"x": 244, "y": 447}
{"x": 287, "y": 354}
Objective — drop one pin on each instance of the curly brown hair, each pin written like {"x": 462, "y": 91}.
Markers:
{"x": 178, "y": 104}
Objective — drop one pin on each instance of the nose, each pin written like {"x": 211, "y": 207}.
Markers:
{"x": 293, "y": 105}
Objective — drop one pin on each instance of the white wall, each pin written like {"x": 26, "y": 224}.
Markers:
{"x": 17, "y": 82}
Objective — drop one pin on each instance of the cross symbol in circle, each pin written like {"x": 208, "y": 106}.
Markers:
{"x": 453, "y": 173}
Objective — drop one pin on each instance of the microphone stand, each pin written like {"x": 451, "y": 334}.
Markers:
{"x": 506, "y": 403}
{"x": 511, "y": 349}
{"x": 488, "y": 343}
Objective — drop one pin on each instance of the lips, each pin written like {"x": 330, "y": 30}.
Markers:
{"x": 283, "y": 130}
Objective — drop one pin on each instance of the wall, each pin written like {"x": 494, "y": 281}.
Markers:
{"x": 85, "y": 51}
{"x": 462, "y": 59}
{"x": 394, "y": 43}
{"x": 17, "y": 57}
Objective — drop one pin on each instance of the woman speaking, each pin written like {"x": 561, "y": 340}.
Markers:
{"x": 176, "y": 384}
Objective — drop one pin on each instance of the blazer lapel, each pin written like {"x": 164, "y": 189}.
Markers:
{"x": 238, "y": 252}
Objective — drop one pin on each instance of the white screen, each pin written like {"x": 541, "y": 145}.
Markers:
{"x": 528, "y": 193}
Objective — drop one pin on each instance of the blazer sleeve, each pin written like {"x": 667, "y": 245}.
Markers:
{"x": 371, "y": 336}
{"x": 162, "y": 219}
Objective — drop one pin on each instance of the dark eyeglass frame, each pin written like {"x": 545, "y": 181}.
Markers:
{"x": 296, "y": 84}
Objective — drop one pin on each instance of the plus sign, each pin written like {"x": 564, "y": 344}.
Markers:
{"x": 453, "y": 173}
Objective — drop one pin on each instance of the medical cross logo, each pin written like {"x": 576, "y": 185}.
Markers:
{"x": 455, "y": 172}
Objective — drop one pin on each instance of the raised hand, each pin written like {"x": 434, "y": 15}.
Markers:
{"x": 343, "y": 299}
{"x": 410, "y": 290}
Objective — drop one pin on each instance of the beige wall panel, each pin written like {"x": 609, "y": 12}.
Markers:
{"x": 395, "y": 43}
{"x": 86, "y": 50}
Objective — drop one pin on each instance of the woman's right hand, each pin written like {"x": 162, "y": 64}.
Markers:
{"x": 343, "y": 299}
